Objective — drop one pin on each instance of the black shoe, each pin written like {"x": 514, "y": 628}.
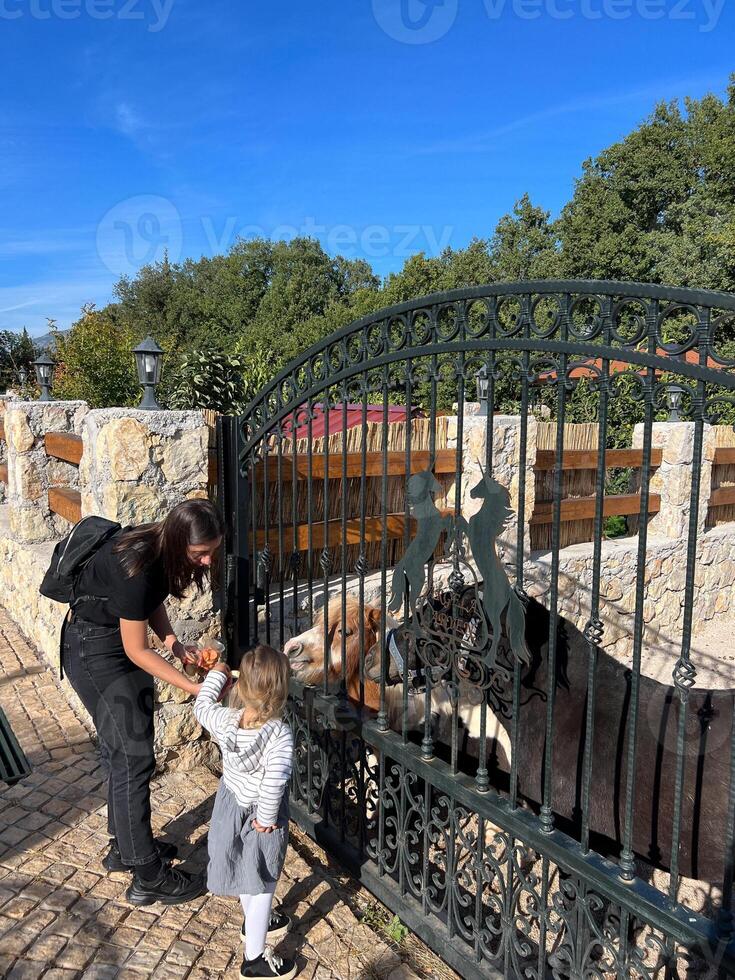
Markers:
{"x": 172, "y": 887}
{"x": 113, "y": 862}
{"x": 268, "y": 967}
{"x": 278, "y": 926}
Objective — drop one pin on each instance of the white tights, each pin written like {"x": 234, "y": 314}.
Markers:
{"x": 257, "y": 909}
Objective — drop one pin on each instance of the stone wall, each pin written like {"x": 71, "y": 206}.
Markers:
{"x": 135, "y": 466}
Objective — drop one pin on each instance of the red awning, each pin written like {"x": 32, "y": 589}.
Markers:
{"x": 396, "y": 413}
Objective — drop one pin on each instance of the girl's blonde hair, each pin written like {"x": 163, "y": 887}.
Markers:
{"x": 262, "y": 686}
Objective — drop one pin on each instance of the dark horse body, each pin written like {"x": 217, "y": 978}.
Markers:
{"x": 707, "y": 748}
{"x": 704, "y": 831}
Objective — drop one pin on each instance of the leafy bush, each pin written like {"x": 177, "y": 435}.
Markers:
{"x": 214, "y": 380}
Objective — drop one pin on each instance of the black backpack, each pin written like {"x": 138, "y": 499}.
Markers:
{"x": 71, "y": 556}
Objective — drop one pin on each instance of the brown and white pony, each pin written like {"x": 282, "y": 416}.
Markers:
{"x": 306, "y": 656}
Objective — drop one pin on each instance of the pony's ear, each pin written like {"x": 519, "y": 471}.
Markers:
{"x": 373, "y": 618}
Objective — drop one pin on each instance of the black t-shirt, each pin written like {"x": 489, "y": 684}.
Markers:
{"x": 120, "y": 597}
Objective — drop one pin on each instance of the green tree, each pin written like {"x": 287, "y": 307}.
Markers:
{"x": 95, "y": 363}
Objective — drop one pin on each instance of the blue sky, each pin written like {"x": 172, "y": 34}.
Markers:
{"x": 381, "y": 127}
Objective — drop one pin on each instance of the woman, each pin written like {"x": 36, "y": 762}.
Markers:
{"x": 110, "y": 665}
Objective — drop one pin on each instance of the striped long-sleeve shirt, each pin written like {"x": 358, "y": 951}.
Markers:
{"x": 256, "y": 762}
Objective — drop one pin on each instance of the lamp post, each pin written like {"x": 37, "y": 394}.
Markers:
{"x": 148, "y": 360}
{"x": 44, "y": 367}
{"x": 483, "y": 387}
{"x": 22, "y": 376}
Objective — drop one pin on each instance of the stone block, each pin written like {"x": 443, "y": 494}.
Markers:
{"x": 124, "y": 445}
{"x": 184, "y": 458}
{"x": 132, "y": 503}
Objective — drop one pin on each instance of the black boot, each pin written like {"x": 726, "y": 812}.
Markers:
{"x": 172, "y": 887}
{"x": 268, "y": 966}
{"x": 113, "y": 862}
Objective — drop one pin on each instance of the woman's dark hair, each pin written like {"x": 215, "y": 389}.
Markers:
{"x": 189, "y": 523}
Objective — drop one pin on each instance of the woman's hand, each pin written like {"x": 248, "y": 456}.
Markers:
{"x": 263, "y": 829}
{"x": 186, "y": 653}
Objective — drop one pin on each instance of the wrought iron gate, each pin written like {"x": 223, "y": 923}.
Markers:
{"x": 479, "y": 758}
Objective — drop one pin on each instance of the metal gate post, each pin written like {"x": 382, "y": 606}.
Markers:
{"x": 234, "y": 501}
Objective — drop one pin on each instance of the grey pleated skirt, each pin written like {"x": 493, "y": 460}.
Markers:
{"x": 243, "y": 861}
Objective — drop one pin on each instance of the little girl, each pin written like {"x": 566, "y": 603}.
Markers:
{"x": 248, "y": 834}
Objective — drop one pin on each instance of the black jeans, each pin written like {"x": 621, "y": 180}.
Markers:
{"x": 119, "y": 697}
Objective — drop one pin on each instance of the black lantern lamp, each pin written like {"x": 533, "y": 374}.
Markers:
{"x": 22, "y": 376}
{"x": 44, "y": 376}
{"x": 674, "y": 398}
{"x": 483, "y": 388}
{"x": 148, "y": 360}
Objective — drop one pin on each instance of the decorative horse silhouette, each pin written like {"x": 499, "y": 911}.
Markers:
{"x": 498, "y": 595}
{"x": 409, "y": 576}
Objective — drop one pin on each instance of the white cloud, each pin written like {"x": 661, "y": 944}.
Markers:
{"x": 127, "y": 119}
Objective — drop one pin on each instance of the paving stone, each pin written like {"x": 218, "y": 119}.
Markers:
{"x": 74, "y": 956}
{"x": 18, "y": 907}
{"x": 100, "y": 971}
{"x": 45, "y": 948}
{"x": 144, "y": 960}
{"x": 16, "y": 941}
{"x": 126, "y": 937}
{"x": 26, "y": 970}
{"x": 61, "y": 899}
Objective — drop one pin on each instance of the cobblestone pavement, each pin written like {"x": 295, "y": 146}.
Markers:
{"x": 62, "y": 918}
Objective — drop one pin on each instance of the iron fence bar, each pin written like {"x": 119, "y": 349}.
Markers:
{"x": 382, "y": 713}
{"x": 547, "y": 816}
{"x": 482, "y": 777}
{"x": 325, "y": 558}
{"x": 295, "y": 554}
{"x": 406, "y": 539}
{"x": 310, "y": 509}
{"x": 456, "y": 587}
{"x": 523, "y": 450}
{"x": 427, "y": 743}
{"x": 684, "y": 672}
{"x": 252, "y": 593}
{"x": 627, "y": 859}
{"x": 225, "y": 476}
{"x": 362, "y": 571}
{"x": 362, "y": 557}
{"x": 281, "y": 551}
{"x": 266, "y": 548}
{"x": 343, "y": 612}
{"x": 343, "y": 548}
{"x": 594, "y": 626}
